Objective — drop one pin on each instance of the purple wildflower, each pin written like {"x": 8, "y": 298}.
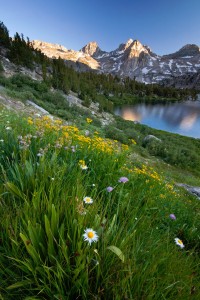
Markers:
{"x": 172, "y": 216}
{"x": 109, "y": 189}
{"x": 123, "y": 179}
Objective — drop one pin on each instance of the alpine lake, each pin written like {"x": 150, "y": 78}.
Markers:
{"x": 179, "y": 117}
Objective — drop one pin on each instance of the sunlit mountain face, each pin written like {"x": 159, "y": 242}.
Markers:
{"x": 134, "y": 60}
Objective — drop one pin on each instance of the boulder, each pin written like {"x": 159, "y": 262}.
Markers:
{"x": 151, "y": 137}
{"x": 194, "y": 190}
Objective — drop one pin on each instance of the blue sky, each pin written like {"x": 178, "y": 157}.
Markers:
{"x": 164, "y": 25}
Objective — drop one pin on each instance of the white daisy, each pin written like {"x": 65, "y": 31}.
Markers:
{"x": 90, "y": 235}
{"x": 179, "y": 243}
{"x": 88, "y": 200}
{"x": 83, "y": 167}
{"x": 39, "y": 154}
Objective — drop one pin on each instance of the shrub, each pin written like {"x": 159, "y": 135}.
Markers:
{"x": 115, "y": 134}
{"x": 56, "y": 98}
{"x": 64, "y": 114}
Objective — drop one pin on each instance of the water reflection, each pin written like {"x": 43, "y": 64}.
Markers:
{"x": 131, "y": 115}
{"x": 182, "y": 118}
{"x": 188, "y": 122}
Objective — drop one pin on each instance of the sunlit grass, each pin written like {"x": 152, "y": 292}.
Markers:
{"x": 64, "y": 235}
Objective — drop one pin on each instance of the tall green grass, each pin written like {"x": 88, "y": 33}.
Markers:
{"x": 43, "y": 219}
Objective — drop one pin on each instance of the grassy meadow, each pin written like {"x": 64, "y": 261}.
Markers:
{"x": 80, "y": 219}
{"x": 179, "y": 151}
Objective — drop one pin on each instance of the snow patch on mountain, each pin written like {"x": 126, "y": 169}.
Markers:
{"x": 130, "y": 59}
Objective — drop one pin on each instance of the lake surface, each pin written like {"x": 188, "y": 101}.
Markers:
{"x": 182, "y": 118}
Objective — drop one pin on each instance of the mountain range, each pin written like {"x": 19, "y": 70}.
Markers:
{"x": 134, "y": 60}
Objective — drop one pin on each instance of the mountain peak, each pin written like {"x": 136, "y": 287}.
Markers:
{"x": 91, "y": 49}
{"x": 131, "y": 58}
{"x": 135, "y": 48}
{"x": 128, "y": 43}
{"x": 191, "y": 49}
{"x": 185, "y": 51}
{"x": 41, "y": 45}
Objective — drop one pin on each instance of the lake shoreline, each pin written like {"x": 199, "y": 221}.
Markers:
{"x": 178, "y": 117}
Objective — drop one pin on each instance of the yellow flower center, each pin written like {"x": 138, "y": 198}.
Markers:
{"x": 90, "y": 234}
{"x": 87, "y": 200}
{"x": 180, "y": 242}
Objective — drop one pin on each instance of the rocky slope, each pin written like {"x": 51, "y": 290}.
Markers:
{"x": 56, "y": 51}
{"x": 134, "y": 60}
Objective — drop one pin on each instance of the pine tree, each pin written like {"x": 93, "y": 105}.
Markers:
{"x": 4, "y": 36}
{"x": 21, "y": 52}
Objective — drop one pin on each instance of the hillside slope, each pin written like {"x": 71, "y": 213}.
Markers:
{"x": 81, "y": 219}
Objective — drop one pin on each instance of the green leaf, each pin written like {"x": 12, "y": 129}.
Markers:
{"x": 111, "y": 224}
{"x": 31, "y": 250}
{"x": 54, "y": 220}
{"x": 33, "y": 234}
{"x": 15, "y": 190}
{"x": 117, "y": 251}
{"x": 18, "y": 284}
{"x": 49, "y": 236}
{"x": 79, "y": 269}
